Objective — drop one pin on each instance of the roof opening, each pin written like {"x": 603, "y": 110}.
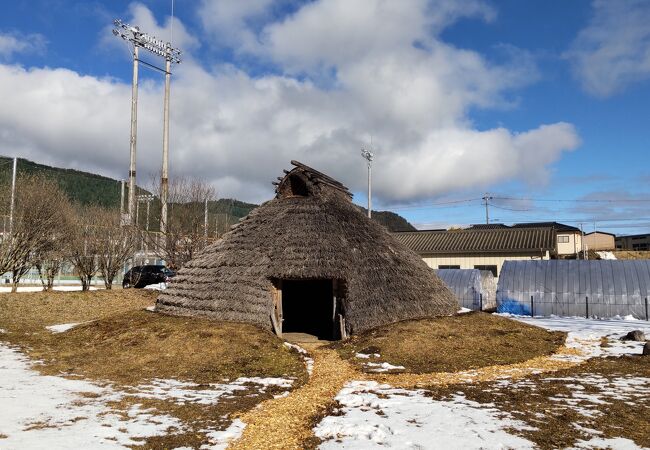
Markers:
{"x": 295, "y": 186}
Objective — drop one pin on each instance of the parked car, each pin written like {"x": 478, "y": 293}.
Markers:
{"x": 141, "y": 276}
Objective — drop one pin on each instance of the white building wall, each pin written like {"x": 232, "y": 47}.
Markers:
{"x": 569, "y": 248}
{"x": 469, "y": 261}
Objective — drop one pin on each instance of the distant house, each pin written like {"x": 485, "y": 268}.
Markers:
{"x": 483, "y": 248}
{"x": 599, "y": 240}
{"x": 638, "y": 242}
{"x": 569, "y": 239}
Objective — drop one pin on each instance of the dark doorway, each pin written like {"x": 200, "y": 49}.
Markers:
{"x": 308, "y": 307}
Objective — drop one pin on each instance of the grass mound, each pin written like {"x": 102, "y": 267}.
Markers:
{"x": 450, "y": 344}
{"x": 122, "y": 343}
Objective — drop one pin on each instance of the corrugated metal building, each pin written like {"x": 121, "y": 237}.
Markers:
{"x": 604, "y": 288}
{"x": 483, "y": 248}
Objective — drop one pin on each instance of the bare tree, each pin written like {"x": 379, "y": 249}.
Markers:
{"x": 185, "y": 234}
{"x": 115, "y": 245}
{"x": 40, "y": 222}
{"x": 84, "y": 245}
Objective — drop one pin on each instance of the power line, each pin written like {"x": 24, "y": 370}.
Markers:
{"x": 573, "y": 200}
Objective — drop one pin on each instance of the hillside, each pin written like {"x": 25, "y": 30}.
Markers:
{"x": 91, "y": 189}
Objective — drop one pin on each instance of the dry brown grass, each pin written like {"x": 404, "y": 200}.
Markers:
{"x": 631, "y": 254}
{"x": 31, "y": 311}
{"x": 122, "y": 343}
{"x": 451, "y": 344}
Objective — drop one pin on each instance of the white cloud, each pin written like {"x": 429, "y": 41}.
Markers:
{"x": 13, "y": 43}
{"x": 613, "y": 51}
{"x": 240, "y": 131}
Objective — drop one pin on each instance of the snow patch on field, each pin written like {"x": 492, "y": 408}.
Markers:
{"x": 5, "y": 289}
{"x": 585, "y": 335}
{"x": 381, "y": 367}
{"x": 615, "y": 443}
{"x": 377, "y": 415}
{"x": 62, "y": 328}
{"x": 65, "y": 413}
{"x": 185, "y": 392}
{"x": 157, "y": 286}
{"x": 304, "y": 354}
{"x": 221, "y": 439}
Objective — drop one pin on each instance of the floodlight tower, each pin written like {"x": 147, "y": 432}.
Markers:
{"x": 368, "y": 155}
{"x": 137, "y": 39}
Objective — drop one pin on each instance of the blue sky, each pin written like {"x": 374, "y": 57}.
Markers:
{"x": 533, "y": 102}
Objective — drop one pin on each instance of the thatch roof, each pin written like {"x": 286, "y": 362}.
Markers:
{"x": 310, "y": 230}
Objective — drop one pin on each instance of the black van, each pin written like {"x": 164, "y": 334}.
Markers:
{"x": 141, "y": 276}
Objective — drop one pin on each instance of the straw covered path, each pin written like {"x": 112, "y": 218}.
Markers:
{"x": 287, "y": 422}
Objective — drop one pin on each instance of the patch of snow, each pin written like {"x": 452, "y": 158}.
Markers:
{"x": 463, "y": 310}
{"x": 185, "y": 392}
{"x": 367, "y": 356}
{"x": 585, "y": 334}
{"x": 613, "y": 443}
{"x": 7, "y": 289}
{"x": 157, "y": 286}
{"x": 309, "y": 362}
{"x": 62, "y": 328}
{"x": 3, "y": 331}
{"x": 376, "y": 415}
{"x": 54, "y": 412}
{"x": 382, "y": 367}
{"x": 150, "y": 308}
{"x": 219, "y": 440}
{"x": 606, "y": 255}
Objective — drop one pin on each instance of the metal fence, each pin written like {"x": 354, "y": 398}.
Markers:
{"x": 575, "y": 288}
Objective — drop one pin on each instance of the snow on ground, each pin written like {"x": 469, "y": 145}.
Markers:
{"x": 62, "y": 328}
{"x": 64, "y": 413}
{"x": 381, "y": 367}
{"x": 304, "y": 354}
{"x": 5, "y": 289}
{"x": 183, "y": 392}
{"x": 606, "y": 255}
{"x": 615, "y": 443}
{"x": 376, "y": 415}
{"x": 221, "y": 439}
{"x": 157, "y": 286}
{"x": 585, "y": 334}
{"x": 464, "y": 310}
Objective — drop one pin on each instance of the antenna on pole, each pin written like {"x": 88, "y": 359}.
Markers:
{"x": 368, "y": 155}
{"x": 158, "y": 47}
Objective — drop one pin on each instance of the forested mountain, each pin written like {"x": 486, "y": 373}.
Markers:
{"x": 91, "y": 189}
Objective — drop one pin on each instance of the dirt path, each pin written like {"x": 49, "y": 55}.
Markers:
{"x": 286, "y": 423}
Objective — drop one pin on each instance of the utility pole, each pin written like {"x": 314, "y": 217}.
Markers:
{"x": 13, "y": 198}
{"x": 486, "y": 198}
{"x": 205, "y": 221}
{"x": 121, "y": 199}
{"x": 133, "y": 35}
{"x": 368, "y": 155}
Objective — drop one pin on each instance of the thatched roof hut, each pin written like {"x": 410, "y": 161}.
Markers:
{"x": 308, "y": 261}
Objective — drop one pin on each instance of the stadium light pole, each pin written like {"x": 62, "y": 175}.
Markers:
{"x": 137, "y": 39}
{"x": 368, "y": 156}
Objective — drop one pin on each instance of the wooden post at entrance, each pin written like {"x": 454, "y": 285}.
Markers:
{"x": 276, "y": 311}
